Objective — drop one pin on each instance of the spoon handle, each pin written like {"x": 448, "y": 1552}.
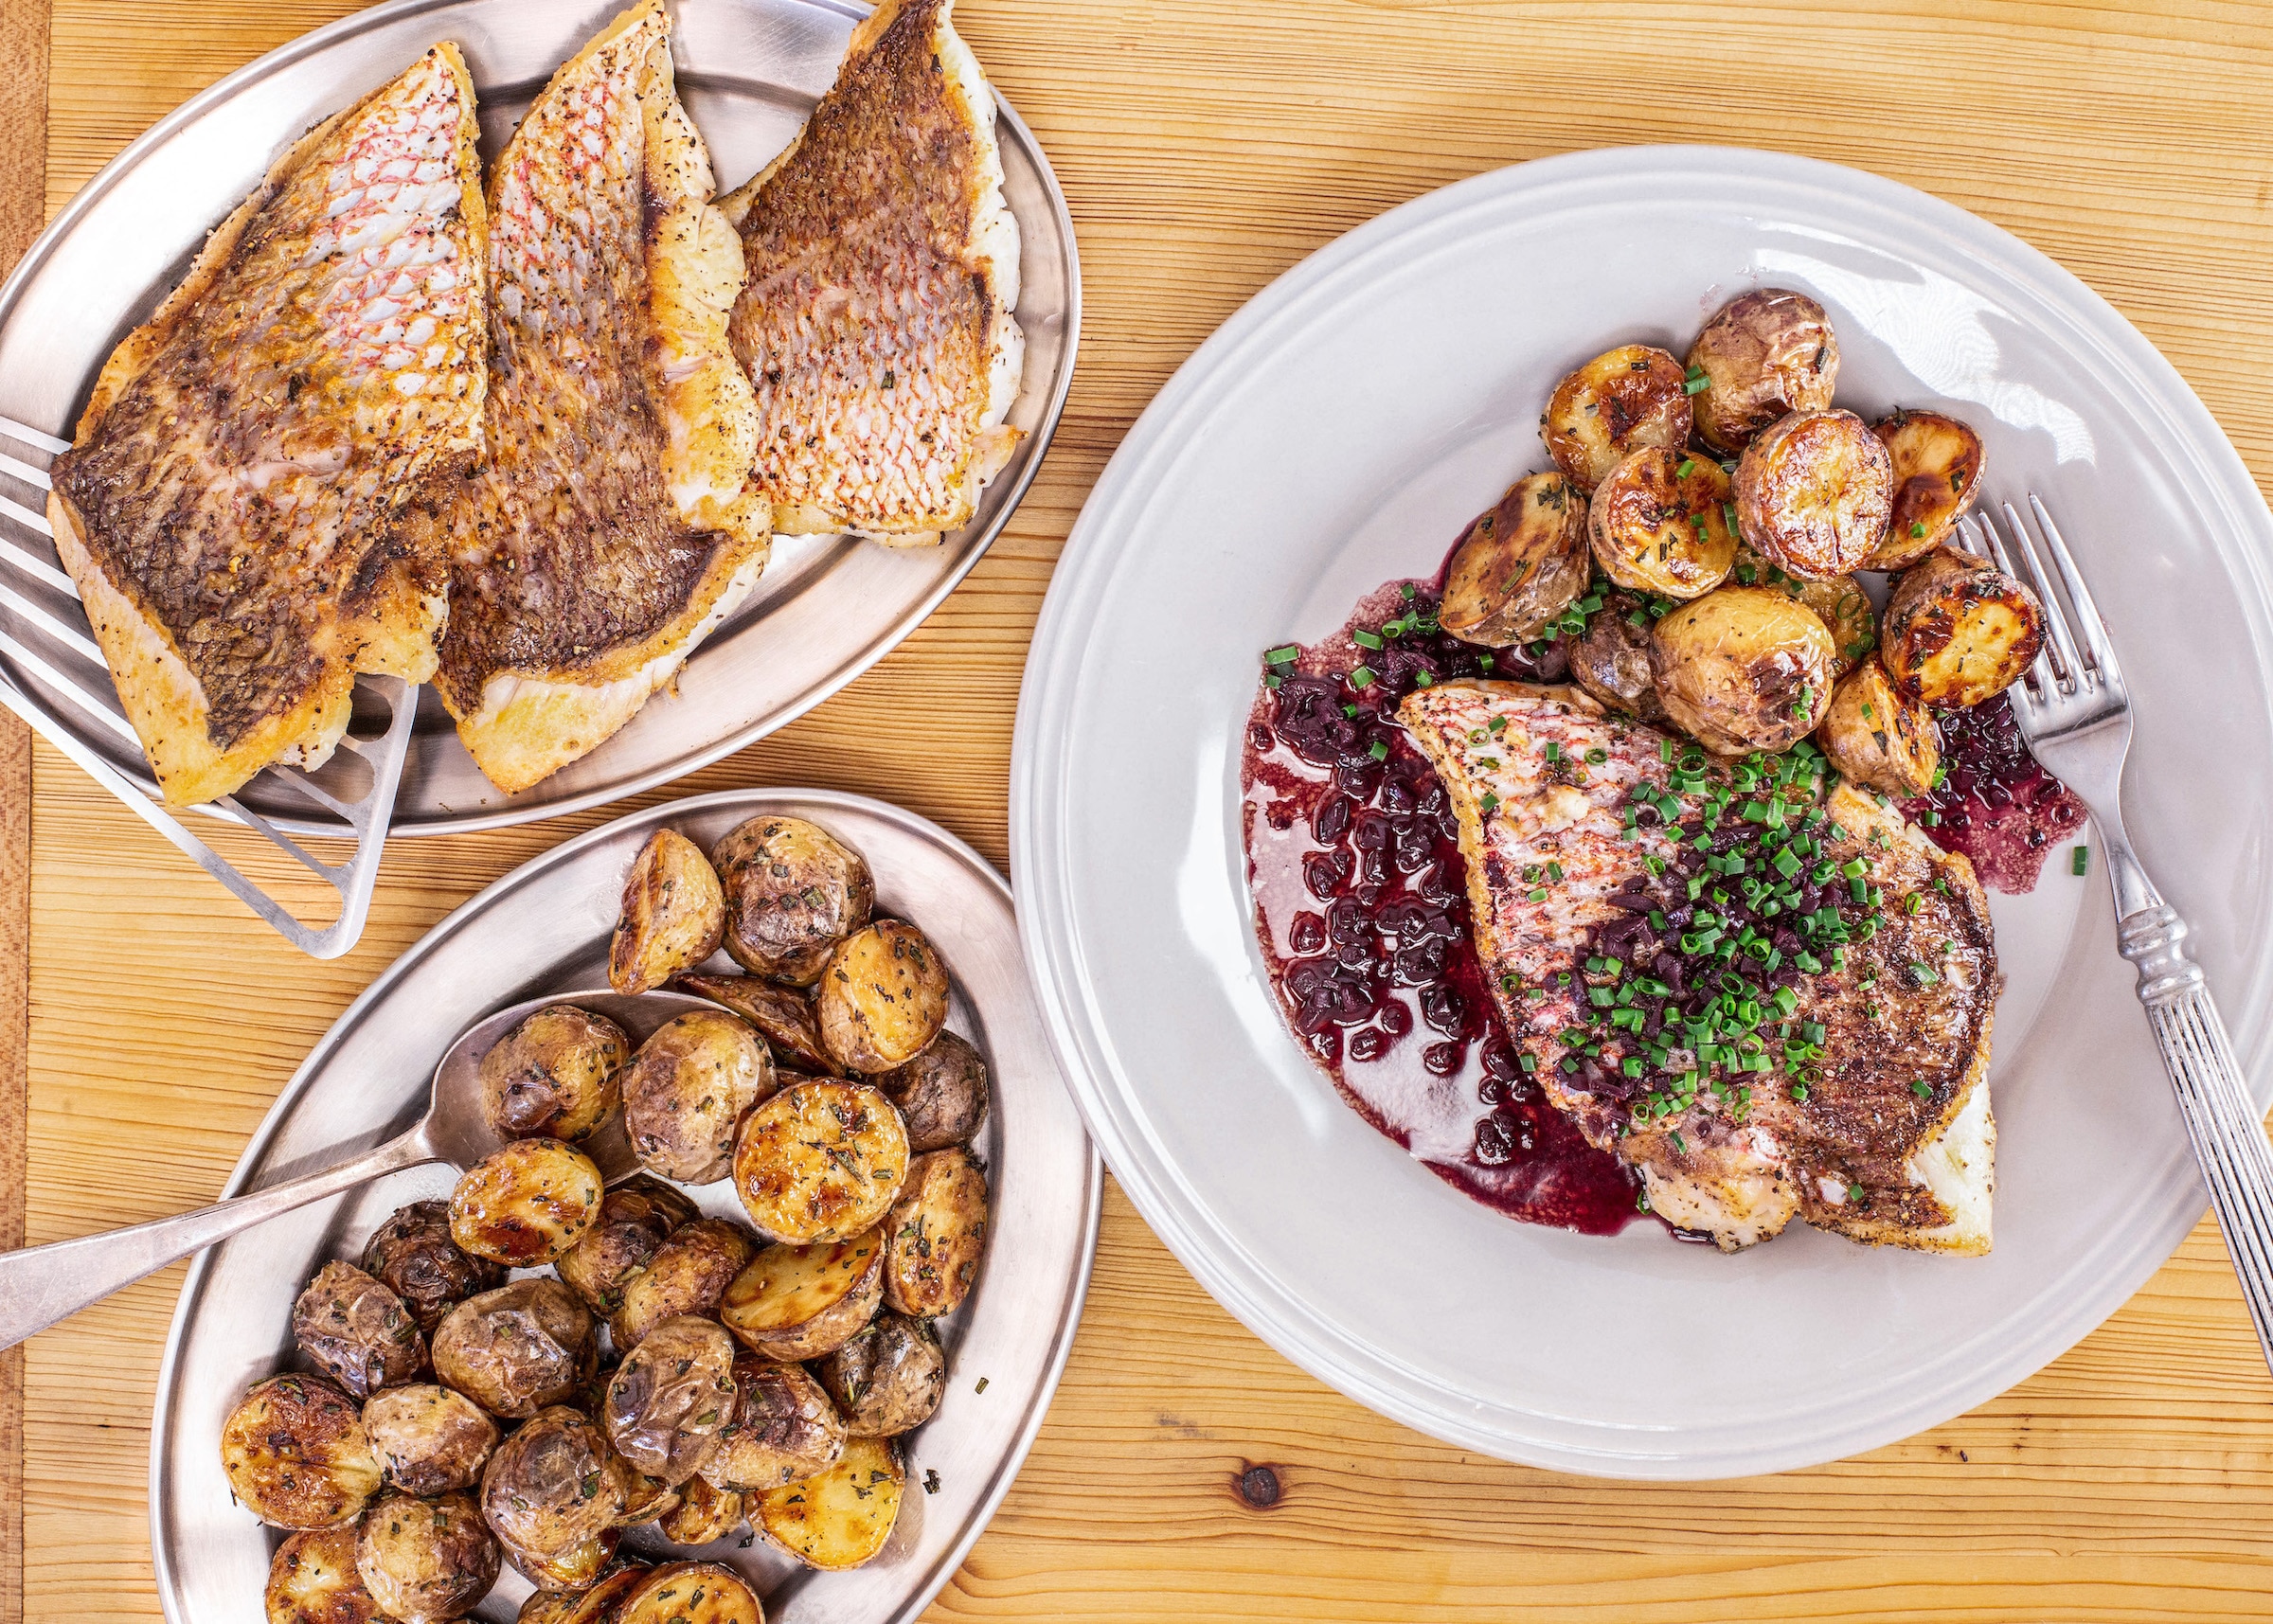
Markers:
{"x": 40, "y": 1285}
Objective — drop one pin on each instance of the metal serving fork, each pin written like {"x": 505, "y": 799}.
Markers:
{"x": 2075, "y": 713}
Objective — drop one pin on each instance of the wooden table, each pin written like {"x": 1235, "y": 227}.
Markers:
{"x": 1205, "y": 146}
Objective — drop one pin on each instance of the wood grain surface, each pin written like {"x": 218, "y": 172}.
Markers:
{"x": 1205, "y": 146}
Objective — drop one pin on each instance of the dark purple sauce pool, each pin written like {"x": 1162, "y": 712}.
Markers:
{"x": 1996, "y": 804}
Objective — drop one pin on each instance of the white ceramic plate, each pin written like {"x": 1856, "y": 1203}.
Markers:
{"x": 1337, "y": 432}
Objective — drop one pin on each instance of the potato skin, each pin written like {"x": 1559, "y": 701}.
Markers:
{"x": 429, "y": 1439}
{"x": 426, "y": 1559}
{"x": 553, "y": 1076}
{"x": 1621, "y": 401}
{"x": 1878, "y": 739}
{"x": 670, "y": 1397}
{"x": 547, "y": 1490}
{"x": 1656, "y": 529}
{"x": 783, "y": 1428}
{"x": 524, "y": 1203}
{"x": 840, "y": 1518}
{"x": 516, "y": 1349}
{"x": 591, "y": 1607}
{"x": 685, "y": 1091}
{"x": 1762, "y": 354}
{"x": 1814, "y": 493}
{"x": 688, "y": 1593}
{"x": 941, "y": 1094}
{"x": 689, "y": 1274}
{"x": 356, "y": 1331}
{"x": 888, "y": 1379}
{"x": 706, "y": 1514}
{"x": 1743, "y": 669}
{"x": 1839, "y": 602}
{"x": 883, "y": 997}
{"x": 296, "y": 1454}
{"x": 1958, "y": 631}
{"x": 1520, "y": 565}
{"x": 645, "y": 1498}
{"x": 634, "y": 1218}
{"x": 412, "y": 1255}
{"x": 673, "y": 914}
{"x": 312, "y": 1579}
{"x": 1936, "y": 463}
{"x": 783, "y": 1018}
{"x": 793, "y": 892}
{"x": 577, "y": 1568}
{"x": 798, "y": 1302}
{"x": 935, "y": 1234}
{"x": 1611, "y": 661}
{"x": 822, "y": 1161}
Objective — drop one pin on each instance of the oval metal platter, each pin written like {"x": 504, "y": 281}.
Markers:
{"x": 828, "y": 607}
{"x": 544, "y": 929}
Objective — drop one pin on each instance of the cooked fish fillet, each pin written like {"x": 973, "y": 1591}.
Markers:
{"x": 234, "y": 509}
{"x": 1895, "y": 1143}
{"x": 609, "y": 530}
{"x": 876, "y": 321}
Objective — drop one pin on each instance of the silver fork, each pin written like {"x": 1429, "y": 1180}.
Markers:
{"x": 2075, "y": 712}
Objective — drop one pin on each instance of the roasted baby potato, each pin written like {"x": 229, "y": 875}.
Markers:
{"x": 941, "y": 1094}
{"x": 783, "y": 1018}
{"x": 1660, "y": 524}
{"x": 312, "y": 1579}
{"x": 935, "y": 1234}
{"x": 526, "y": 1204}
{"x": 705, "y": 1513}
{"x": 685, "y": 1090}
{"x": 356, "y": 1331}
{"x": 429, "y": 1439}
{"x": 425, "y": 1561}
{"x": 594, "y": 1606}
{"x": 689, "y": 1274}
{"x": 1840, "y": 603}
{"x": 822, "y": 1161}
{"x": 644, "y": 1498}
{"x": 1520, "y": 565}
{"x": 1610, "y": 660}
{"x": 1764, "y": 354}
{"x": 577, "y": 1568}
{"x": 553, "y": 1076}
{"x": 547, "y": 1491}
{"x": 671, "y": 1398}
{"x": 1619, "y": 401}
{"x": 1878, "y": 739}
{"x": 841, "y": 1517}
{"x": 634, "y": 1218}
{"x": 784, "y": 1428}
{"x": 296, "y": 1454}
{"x": 793, "y": 892}
{"x": 1743, "y": 669}
{"x": 688, "y": 1593}
{"x": 673, "y": 914}
{"x": 798, "y": 1302}
{"x": 412, "y": 1255}
{"x": 1936, "y": 463}
{"x": 516, "y": 1349}
{"x": 1958, "y": 631}
{"x": 882, "y": 998}
{"x": 888, "y": 1379}
{"x": 1813, "y": 493}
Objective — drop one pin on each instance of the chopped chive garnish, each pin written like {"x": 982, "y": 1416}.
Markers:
{"x": 1285, "y": 656}
{"x": 1365, "y": 639}
{"x": 1687, "y": 464}
{"x": 1362, "y": 677}
{"x": 1917, "y": 529}
{"x": 2079, "y": 861}
{"x": 1378, "y": 751}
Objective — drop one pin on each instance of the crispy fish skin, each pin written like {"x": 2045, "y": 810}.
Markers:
{"x": 876, "y": 320}
{"x": 610, "y": 530}
{"x": 234, "y": 508}
{"x": 1925, "y": 1163}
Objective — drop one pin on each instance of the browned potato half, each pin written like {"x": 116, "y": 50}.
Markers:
{"x": 425, "y": 1560}
{"x": 673, "y": 914}
{"x": 798, "y": 1302}
{"x": 548, "y": 1490}
{"x": 516, "y": 1349}
{"x": 784, "y": 1428}
{"x": 671, "y": 1397}
{"x": 704, "y": 1513}
{"x": 577, "y": 1568}
{"x": 1743, "y": 669}
{"x": 883, "y": 997}
{"x": 1762, "y": 354}
{"x": 1660, "y": 524}
{"x": 412, "y": 1255}
{"x": 1621, "y": 401}
{"x": 1878, "y": 739}
{"x": 1937, "y": 474}
{"x": 689, "y": 1593}
{"x": 783, "y": 1018}
{"x": 635, "y": 1219}
{"x": 594, "y": 1606}
{"x": 941, "y": 1094}
{"x": 526, "y": 1204}
{"x": 296, "y": 1454}
{"x": 429, "y": 1440}
{"x": 356, "y": 1331}
{"x": 644, "y": 1498}
{"x": 689, "y": 1274}
{"x": 1610, "y": 660}
{"x": 888, "y": 1379}
{"x": 1520, "y": 565}
{"x": 312, "y": 1579}
{"x": 553, "y": 1076}
{"x": 685, "y": 1090}
{"x": 821, "y": 1161}
{"x": 1958, "y": 631}
{"x": 1839, "y": 602}
{"x": 793, "y": 892}
{"x": 1813, "y": 493}
{"x": 840, "y": 1518}
{"x": 935, "y": 1234}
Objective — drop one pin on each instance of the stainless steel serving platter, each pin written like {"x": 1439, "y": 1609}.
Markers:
{"x": 751, "y": 70}
{"x": 544, "y": 928}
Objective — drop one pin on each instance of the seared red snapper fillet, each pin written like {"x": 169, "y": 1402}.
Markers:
{"x": 609, "y": 530}
{"x": 876, "y": 322}
{"x": 1876, "y": 1124}
{"x": 234, "y": 509}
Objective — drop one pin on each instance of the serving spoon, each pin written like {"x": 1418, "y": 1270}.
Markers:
{"x": 40, "y": 1285}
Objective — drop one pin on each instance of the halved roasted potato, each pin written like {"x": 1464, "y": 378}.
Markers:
{"x": 673, "y": 914}
{"x": 1743, "y": 669}
{"x": 1621, "y": 401}
{"x": 888, "y": 1379}
{"x": 518, "y": 1349}
{"x": 1878, "y": 739}
{"x": 312, "y": 1579}
{"x": 645, "y": 1498}
{"x": 822, "y": 1161}
{"x": 685, "y": 1091}
{"x": 784, "y": 1018}
{"x": 356, "y": 1331}
{"x": 1610, "y": 660}
{"x": 784, "y": 1428}
{"x": 688, "y": 1593}
{"x": 1936, "y": 463}
{"x": 689, "y": 1274}
{"x": 547, "y": 1491}
{"x": 882, "y": 998}
{"x": 840, "y": 1518}
{"x": 793, "y": 892}
{"x": 429, "y": 1439}
{"x": 1764, "y": 354}
{"x": 798, "y": 1302}
{"x": 412, "y": 1255}
{"x": 1813, "y": 493}
{"x": 935, "y": 1234}
{"x": 1958, "y": 629}
{"x": 705, "y": 1513}
{"x": 636, "y": 1217}
{"x": 1660, "y": 524}
{"x": 941, "y": 1094}
{"x": 577, "y": 1568}
{"x": 671, "y": 1397}
{"x": 296, "y": 1454}
{"x": 425, "y": 1560}
{"x": 1520, "y": 565}
{"x": 1839, "y": 602}
{"x": 524, "y": 1203}
{"x": 553, "y": 1076}
{"x": 594, "y": 1606}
